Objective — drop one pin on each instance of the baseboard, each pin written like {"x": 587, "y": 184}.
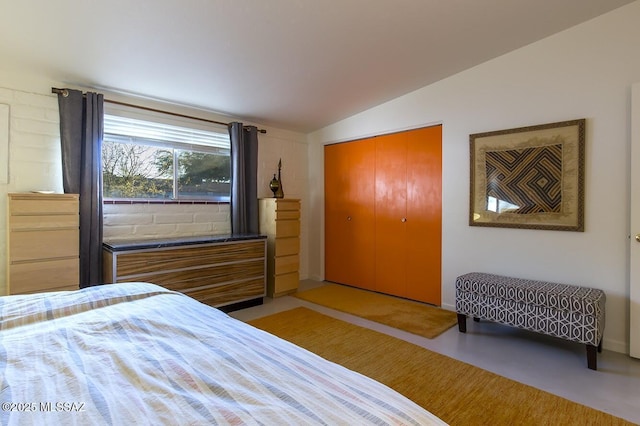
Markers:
{"x": 448, "y": 307}
{"x": 615, "y": 346}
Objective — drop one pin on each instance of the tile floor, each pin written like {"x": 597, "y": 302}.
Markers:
{"x": 547, "y": 363}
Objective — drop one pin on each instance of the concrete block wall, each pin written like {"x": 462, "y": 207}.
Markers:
{"x": 33, "y": 159}
{"x": 157, "y": 220}
{"x": 34, "y": 142}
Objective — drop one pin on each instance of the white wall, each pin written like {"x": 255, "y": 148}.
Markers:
{"x": 292, "y": 149}
{"x": 584, "y": 72}
{"x": 34, "y": 164}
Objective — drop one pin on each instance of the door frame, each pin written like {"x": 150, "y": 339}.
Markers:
{"x": 634, "y": 226}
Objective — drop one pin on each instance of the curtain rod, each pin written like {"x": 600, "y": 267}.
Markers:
{"x": 64, "y": 92}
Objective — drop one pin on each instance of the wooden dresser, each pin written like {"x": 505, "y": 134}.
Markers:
{"x": 43, "y": 242}
{"x": 222, "y": 271}
{"x": 280, "y": 222}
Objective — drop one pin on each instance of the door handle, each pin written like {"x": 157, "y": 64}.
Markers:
{"x": 403, "y": 220}
{"x": 638, "y": 238}
{"x": 349, "y": 218}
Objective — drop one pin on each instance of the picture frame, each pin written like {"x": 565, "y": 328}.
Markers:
{"x": 529, "y": 177}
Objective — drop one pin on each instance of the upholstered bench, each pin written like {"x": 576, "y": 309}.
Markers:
{"x": 567, "y": 311}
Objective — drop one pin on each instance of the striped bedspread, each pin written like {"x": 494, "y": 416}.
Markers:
{"x": 136, "y": 354}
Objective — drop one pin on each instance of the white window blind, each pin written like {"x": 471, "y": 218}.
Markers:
{"x": 131, "y": 130}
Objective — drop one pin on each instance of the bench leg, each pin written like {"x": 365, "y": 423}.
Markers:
{"x": 462, "y": 323}
{"x": 592, "y": 357}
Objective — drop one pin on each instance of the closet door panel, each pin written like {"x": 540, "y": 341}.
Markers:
{"x": 391, "y": 211}
{"x": 335, "y": 177}
{"x": 424, "y": 212}
{"x": 349, "y": 213}
{"x": 361, "y": 220}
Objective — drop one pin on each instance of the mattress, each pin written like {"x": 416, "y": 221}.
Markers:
{"x": 137, "y": 353}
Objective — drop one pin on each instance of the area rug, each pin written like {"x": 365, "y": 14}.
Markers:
{"x": 413, "y": 317}
{"x": 458, "y": 393}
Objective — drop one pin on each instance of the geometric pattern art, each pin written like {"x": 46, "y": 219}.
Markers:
{"x": 526, "y": 181}
{"x": 570, "y": 312}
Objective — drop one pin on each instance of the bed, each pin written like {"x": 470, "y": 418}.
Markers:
{"x": 137, "y": 353}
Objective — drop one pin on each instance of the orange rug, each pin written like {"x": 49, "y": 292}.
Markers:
{"x": 458, "y": 393}
{"x": 414, "y": 317}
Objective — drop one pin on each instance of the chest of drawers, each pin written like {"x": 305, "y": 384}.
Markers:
{"x": 220, "y": 270}
{"x": 43, "y": 242}
{"x": 280, "y": 222}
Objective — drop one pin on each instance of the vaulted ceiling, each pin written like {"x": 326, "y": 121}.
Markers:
{"x": 294, "y": 64}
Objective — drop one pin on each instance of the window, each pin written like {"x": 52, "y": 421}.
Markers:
{"x": 150, "y": 160}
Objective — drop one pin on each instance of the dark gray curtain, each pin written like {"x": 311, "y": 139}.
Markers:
{"x": 244, "y": 179}
{"x": 81, "y": 131}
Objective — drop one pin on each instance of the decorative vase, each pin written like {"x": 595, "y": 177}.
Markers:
{"x": 274, "y": 185}
{"x": 279, "y": 193}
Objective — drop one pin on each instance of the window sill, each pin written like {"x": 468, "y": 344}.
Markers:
{"x": 113, "y": 201}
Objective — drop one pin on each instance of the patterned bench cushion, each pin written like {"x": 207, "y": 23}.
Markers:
{"x": 563, "y": 297}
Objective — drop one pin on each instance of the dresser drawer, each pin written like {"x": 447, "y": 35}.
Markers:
{"x": 50, "y": 275}
{"x": 286, "y": 264}
{"x": 182, "y": 280}
{"x": 30, "y": 204}
{"x": 287, "y": 246}
{"x": 286, "y": 283}
{"x": 287, "y": 214}
{"x": 287, "y": 228}
{"x": 283, "y": 205}
{"x": 229, "y": 293}
{"x": 150, "y": 261}
{"x": 40, "y": 223}
{"x": 46, "y": 244}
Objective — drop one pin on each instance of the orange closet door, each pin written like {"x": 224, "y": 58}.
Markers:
{"x": 424, "y": 215}
{"x": 349, "y": 213}
{"x": 408, "y": 214}
{"x": 391, "y": 214}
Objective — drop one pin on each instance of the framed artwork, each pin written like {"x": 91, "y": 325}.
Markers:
{"x": 529, "y": 177}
